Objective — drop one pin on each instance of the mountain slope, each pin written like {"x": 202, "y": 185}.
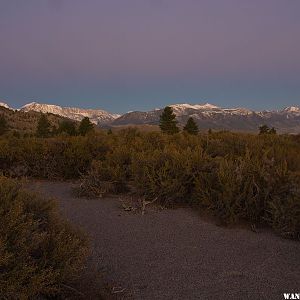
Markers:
{"x": 2, "y": 104}
{"x": 96, "y": 116}
{"x": 26, "y": 122}
{"x": 214, "y": 117}
{"x": 206, "y": 115}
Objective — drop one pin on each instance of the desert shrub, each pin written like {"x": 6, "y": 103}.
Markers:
{"x": 236, "y": 175}
{"x": 284, "y": 216}
{"x": 38, "y": 250}
{"x": 225, "y": 143}
{"x": 54, "y": 158}
{"x": 167, "y": 175}
{"x": 217, "y": 189}
{"x": 283, "y": 211}
{"x": 244, "y": 187}
{"x": 108, "y": 176}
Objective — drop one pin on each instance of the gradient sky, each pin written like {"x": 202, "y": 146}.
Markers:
{"x": 122, "y": 55}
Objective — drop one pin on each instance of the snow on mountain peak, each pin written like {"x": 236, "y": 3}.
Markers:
{"x": 95, "y": 115}
{"x": 209, "y": 106}
{"x": 2, "y": 104}
{"x": 183, "y": 108}
{"x": 292, "y": 109}
{"x": 29, "y": 104}
{"x": 194, "y": 106}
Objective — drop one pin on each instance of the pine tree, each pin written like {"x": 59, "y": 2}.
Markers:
{"x": 85, "y": 126}
{"x": 3, "y": 125}
{"x": 109, "y": 131}
{"x": 167, "y": 122}
{"x": 272, "y": 131}
{"x": 264, "y": 129}
{"x": 191, "y": 127}
{"x": 43, "y": 128}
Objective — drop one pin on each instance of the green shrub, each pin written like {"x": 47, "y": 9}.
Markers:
{"x": 167, "y": 175}
{"x": 52, "y": 158}
{"x": 107, "y": 176}
{"x": 237, "y": 176}
{"x": 284, "y": 206}
{"x": 245, "y": 188}
{"x": 285, "y": 216}
{"x": 38, "y": 250}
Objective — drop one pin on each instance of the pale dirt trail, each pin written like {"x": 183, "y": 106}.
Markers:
{"x": 175, "y": 254}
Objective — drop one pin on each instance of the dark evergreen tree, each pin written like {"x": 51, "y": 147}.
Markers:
{"x": 109, "y": 131}
{"x": 191, "y": 127}
{"x": 85, "y": 126}
{"x": 67, "y": 127}
{"x": 167, "y": 122}
{"x": 3, "y": 125}
{"x": 272, "y": 131}
{"x": 264, "y": 129}
{"x": 43, "y": 128}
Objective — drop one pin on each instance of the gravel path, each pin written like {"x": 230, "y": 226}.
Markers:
{"x": 175, "y": 254}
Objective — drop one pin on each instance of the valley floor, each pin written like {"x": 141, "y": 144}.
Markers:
{"x": 175, "y": 254}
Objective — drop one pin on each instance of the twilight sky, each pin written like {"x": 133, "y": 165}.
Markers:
{"x": 122, "y": 55}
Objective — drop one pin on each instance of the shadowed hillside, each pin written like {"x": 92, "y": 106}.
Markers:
{"x": 26, "y": 122}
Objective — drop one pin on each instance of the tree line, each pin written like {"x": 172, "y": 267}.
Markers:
{"x": 44, "y": 128}
{"x": 168, "y": 124}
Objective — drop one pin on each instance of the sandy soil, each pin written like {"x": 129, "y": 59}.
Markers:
{"x": 175, "y": 254}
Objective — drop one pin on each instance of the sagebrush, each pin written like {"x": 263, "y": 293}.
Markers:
{"x": 39, "y": 252}
{"x": 237, "y": 176}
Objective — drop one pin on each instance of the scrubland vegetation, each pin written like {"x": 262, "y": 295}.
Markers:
{"x": 39, "y": 252}
{"x": 239, "y": 177}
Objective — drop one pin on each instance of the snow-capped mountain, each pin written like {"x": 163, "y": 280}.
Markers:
{"x": 96, "y": 116}
{"x": 180, "y": 109}
{"x": 2, "y": 104}
{"x": 292, "y": 110}
{"x": 211, "y": 116}
{"x": 206, "y": 115}
{"x": 207, "y": 109}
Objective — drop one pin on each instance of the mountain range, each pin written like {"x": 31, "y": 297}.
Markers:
{"x": 207, "y": 116}
{"x": 97, "y": 116}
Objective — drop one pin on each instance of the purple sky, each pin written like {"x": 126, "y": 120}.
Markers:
{"x": 123, "y": 55}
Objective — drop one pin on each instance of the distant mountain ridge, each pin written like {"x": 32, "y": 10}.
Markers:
{"x": 206, "y": 115}
{"x": 97, "y": 116}
{"x": 2, "y": 104}
{"x": 214, "y": 117}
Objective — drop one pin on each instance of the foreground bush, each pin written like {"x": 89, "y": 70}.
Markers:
{"x": 38, "y": 250}
{"x": 236, "y": 176}
{"x": 285, "y": 217}
{"x": 168, "y": 175}
{"x": 107, "y": 176}
{"x": 284, "y": 211}
{"x": 52, "y": 158}
{"x": 252, "y": 189}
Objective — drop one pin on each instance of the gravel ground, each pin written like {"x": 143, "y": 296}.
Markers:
{"x": 175, "y": 254}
